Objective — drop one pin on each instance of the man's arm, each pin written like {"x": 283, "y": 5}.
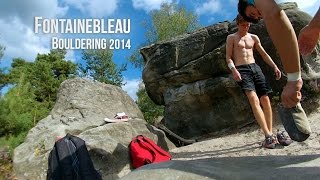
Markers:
{"x": 285, "y": 41}
{"x": 262, "y": 52}
{"x": 309, "y": 35}
{"x": 229, "y": 50}
{"x": 281, "y": 33}
{"x": 266, "y": 56}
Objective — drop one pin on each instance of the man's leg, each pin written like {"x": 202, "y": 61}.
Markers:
{"x": 266, "y": 106}
{"x": 257, "y": 111}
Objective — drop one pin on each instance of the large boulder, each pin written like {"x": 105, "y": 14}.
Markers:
{"x": 80, "y": 110}
{"x": 189, "y": 76}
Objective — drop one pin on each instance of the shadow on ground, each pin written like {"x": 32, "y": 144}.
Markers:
{"x": 255, "y": 167}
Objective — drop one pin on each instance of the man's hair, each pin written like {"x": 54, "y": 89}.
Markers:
{"x": 242, "y": 6}
{"x": 240, "y": 19}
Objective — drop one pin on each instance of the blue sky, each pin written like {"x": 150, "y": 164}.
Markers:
{"x": 17, "y": 24}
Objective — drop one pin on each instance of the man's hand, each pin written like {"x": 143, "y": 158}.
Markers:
{"x": 236, "y": 75}
{"x": 291, "y": 94}
{"x": 308, "y": 39}
{"x": 277, "y": 73}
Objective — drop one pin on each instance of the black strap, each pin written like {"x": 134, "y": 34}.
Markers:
{"x": 75, "y": 161}
{"x": 157, "y": 148}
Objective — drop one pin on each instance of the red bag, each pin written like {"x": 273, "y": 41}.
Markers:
{"x": 144, "y": 151}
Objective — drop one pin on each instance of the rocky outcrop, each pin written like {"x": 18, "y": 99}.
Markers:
{"x": 80, "y": 110}
{"x": 188, "y": 75}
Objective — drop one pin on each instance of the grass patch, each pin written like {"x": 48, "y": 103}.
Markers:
{"x": 11, "y": 142}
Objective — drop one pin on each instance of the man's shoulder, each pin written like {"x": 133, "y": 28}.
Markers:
{"x": 253, "y": 35}
{"x": 231, "y": 35}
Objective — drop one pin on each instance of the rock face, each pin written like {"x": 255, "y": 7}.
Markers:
{"x": 190, "y": 77}
{"x": 80, "y": 110}
{"x": 232, "y": 168}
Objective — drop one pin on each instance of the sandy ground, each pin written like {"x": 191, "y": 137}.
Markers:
{"x": 247, "y": 142}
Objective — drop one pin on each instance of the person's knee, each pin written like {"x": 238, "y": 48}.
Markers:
{"x": 265, "y": 101}
{"x": 253, "y": 98}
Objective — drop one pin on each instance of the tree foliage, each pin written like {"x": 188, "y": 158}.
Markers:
{"x": 33, "y": 89}
{"x": 170, "y": 21}
{"x": 19, "y": 111}
{"x": 167, "y": 22}
{"x": 45, "y": 74}
{"x": 100, "y": 67}
{"x": 150, "y": 110}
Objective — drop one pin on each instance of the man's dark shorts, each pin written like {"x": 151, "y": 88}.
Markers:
{"x": 253, "y": 79}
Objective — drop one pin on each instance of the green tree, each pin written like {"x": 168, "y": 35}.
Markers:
{"x": 100, "y": 67}
{"x": 150, "y": 110}
{"x": 45, "y": 74}
{"x": 167, "y": 22}
{"x": 49, "y": 71}
{"x": 171, "y": 21}
{"x": 32, "y": 93}
{"x": 19, "y": 109}
{"x": 34, "y": 86}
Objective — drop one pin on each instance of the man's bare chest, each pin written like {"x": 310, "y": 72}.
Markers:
{"x": 244, "y": 42}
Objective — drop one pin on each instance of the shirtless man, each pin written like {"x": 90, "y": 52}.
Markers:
{"x": 240, "y": 60}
